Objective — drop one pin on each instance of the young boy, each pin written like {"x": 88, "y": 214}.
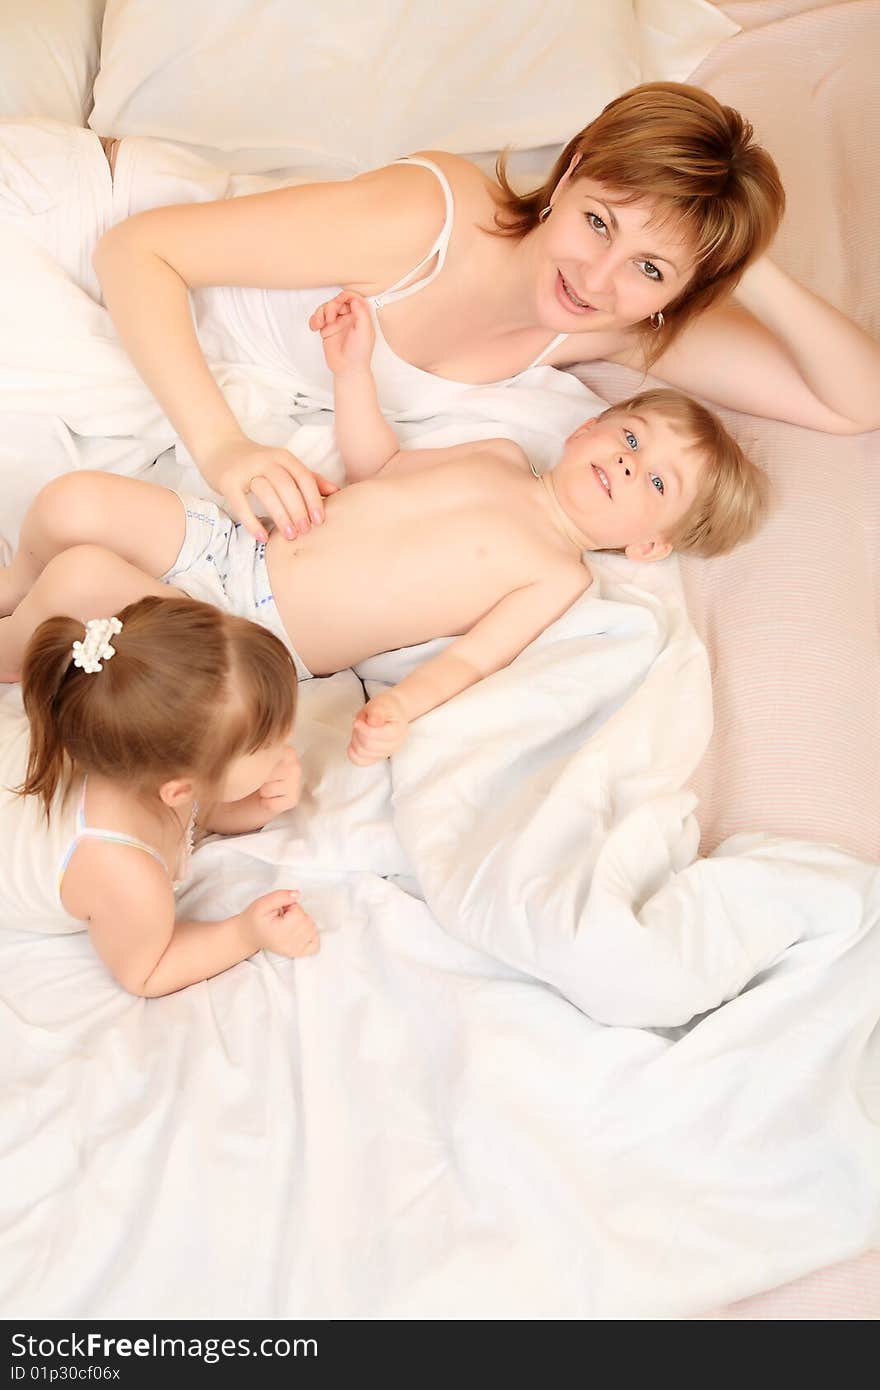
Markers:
{"x": 468, "y": 542}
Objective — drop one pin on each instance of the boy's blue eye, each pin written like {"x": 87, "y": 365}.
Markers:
{"x": 657, "y": 483}
{"x": 631, "y": 440}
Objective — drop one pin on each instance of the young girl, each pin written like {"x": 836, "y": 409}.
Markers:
{"x": 144, "y": 727}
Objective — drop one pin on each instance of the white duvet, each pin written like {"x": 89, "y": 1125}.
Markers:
{"x": 547, "y": 1063}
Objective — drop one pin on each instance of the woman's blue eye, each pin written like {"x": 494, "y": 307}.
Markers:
{"x": 596, "y": 222}
{"x": 649, "y": 269}
{"x": 631, "y": 440}
{"x": 657, "y": 483}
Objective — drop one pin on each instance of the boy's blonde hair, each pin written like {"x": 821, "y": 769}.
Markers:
{"x": 734, "y": 493}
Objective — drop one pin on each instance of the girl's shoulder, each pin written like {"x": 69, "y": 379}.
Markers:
{"x": 119, "y": 847}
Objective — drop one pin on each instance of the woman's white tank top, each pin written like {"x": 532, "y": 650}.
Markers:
{"x": 271, "y": 328}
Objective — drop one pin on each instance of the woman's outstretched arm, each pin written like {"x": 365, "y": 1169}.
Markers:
{"x": 785, "y": 354}
{"x": 365, "y": 232}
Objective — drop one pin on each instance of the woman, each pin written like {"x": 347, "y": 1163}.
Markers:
{"x": 651, "y": 216}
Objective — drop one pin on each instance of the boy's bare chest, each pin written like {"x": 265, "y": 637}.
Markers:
{"x": 477, "y": 523}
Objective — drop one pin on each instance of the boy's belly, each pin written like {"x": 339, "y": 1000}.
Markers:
{"x": 345, "y": 592}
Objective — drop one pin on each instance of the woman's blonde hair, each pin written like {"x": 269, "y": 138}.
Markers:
{"x": 675, "y": 145}
{"x": 189, "y": 689}
{"x": 734, "y": 493}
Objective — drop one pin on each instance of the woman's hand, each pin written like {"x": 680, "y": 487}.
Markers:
{"x": 347, "y": 332}
{"x": 291, "y": 493}
{"x": 378, "y": 730}
{"x": 276, "y": 922}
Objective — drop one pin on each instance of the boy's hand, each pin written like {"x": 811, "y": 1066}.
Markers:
{"x": 378, "y": 730}
{"x": 283, "y": 788}
{"x": 346, "y": 329}
{"x": 276, "y": 922}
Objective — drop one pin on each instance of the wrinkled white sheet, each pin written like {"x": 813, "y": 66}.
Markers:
{"x": 433, "y": 1118}
{"x": 405, "y": 1126}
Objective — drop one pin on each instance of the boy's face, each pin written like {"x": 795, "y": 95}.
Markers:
{"x": 626, "y": 480}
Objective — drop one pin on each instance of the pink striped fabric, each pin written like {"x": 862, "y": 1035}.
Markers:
{"x": 790, "y": 620}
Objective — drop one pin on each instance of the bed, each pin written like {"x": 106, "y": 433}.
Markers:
{"x": 593, "y": 1030}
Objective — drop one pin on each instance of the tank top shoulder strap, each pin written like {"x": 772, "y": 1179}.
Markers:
{"x": 89, "y": 832}
{"x": 406, "y": 285}
{"x": 554, "y": 343}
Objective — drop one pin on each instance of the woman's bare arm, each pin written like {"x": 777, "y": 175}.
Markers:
{"x": 365, "y": 232}
{"x": 782, "y": 353}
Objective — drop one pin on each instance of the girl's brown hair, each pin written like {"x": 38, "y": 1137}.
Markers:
{"x": 677, "y": 146}
{"x": 189, "y": 689}
{"x": 734, "y": 493}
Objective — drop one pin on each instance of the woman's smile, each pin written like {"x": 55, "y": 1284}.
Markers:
{"x": 569, "y": 300}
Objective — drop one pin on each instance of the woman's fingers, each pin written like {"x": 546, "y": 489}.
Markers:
{"x": 284, "y": 488}
{"x": 299, "y": 492}
{"x": 236, "y": 497}
{"x": 285, "y": 514}
{"x": 290, "y": 494}
{"x": 325, "y": 486}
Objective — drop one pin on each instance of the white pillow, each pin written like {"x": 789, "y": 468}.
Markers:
{"x": 676, "y": 35}
{"x": 49, "y": 57}
{"x": 364, "y": 82}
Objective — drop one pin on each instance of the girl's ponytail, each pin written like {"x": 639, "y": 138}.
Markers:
{"x": 45, "y": 668}
{"x": 188, "y": 689}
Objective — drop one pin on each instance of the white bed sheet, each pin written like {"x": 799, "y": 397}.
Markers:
{"x": 410, "y": 1125}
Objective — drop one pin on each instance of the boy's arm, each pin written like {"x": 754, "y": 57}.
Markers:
{"x": 366, "y": 441}
{"x": 491, "y": 644}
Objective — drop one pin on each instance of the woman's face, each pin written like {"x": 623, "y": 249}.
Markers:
{"x": 603, "y": 263}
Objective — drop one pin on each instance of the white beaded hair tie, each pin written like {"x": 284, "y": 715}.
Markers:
{"x": 95, "y": 648}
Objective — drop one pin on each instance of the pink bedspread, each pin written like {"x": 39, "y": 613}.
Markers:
{"x": 790, "y": 621}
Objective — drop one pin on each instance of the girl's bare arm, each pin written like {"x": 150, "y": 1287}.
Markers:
{"x": 127, "y": 900}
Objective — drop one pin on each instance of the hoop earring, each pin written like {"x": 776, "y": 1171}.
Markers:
{"x": 545, "y": 213}
{"x": 657, "y": 320}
